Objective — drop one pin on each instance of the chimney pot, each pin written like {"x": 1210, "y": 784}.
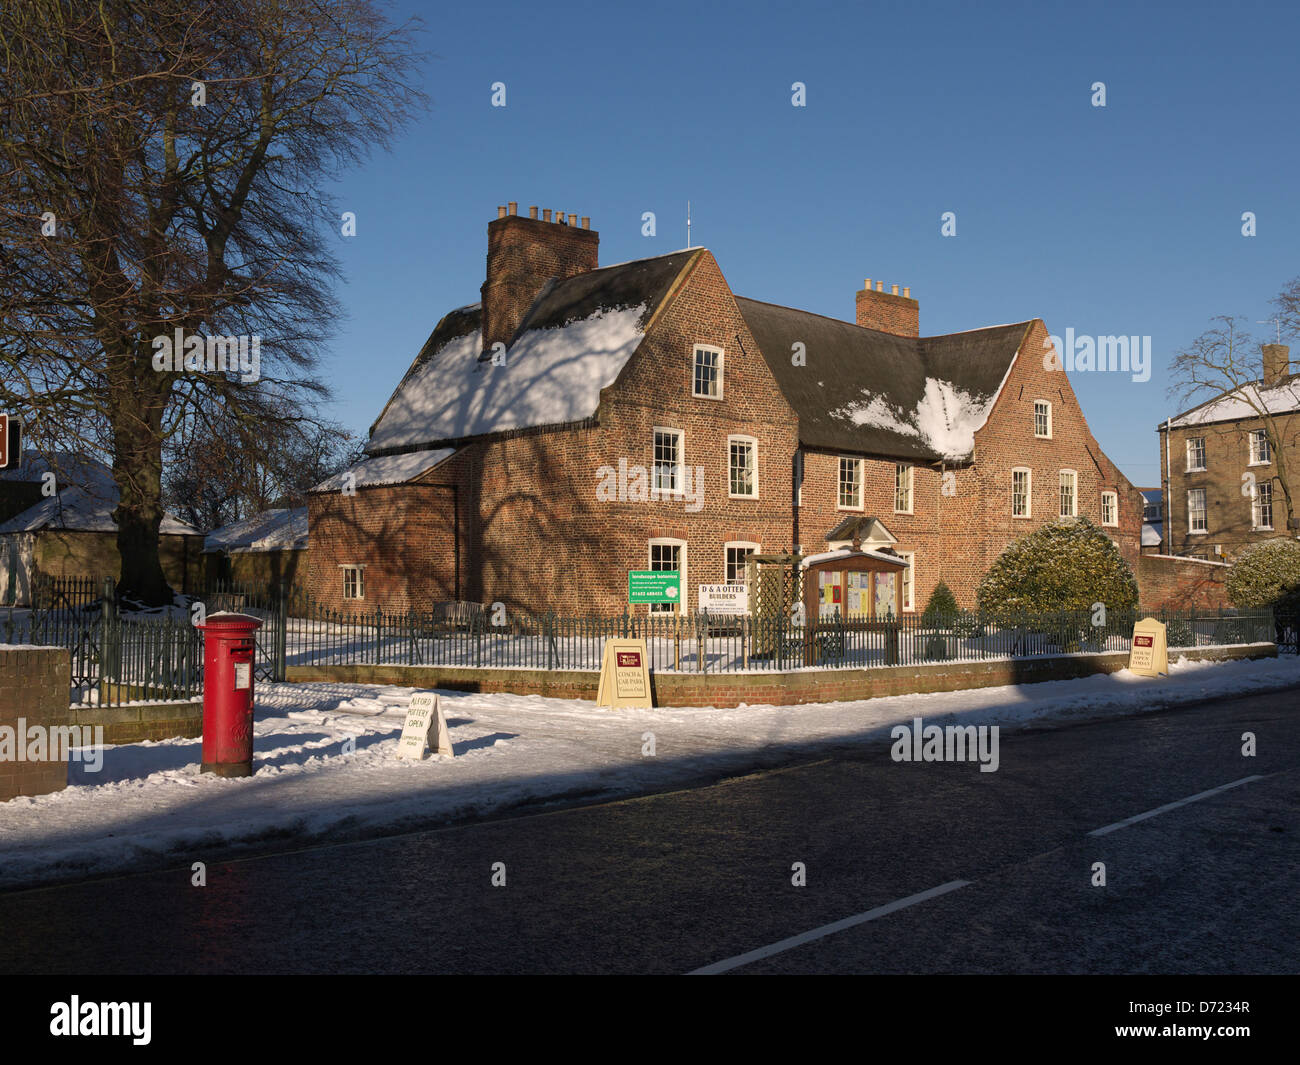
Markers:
{"x": 895, "y": 291}
{"x": 514, "y": 207}
{"x": 501, "y": 212}
{"x": 880, "y": 286}
{"x": 546, "y": 214}
{"x": 586, "y": 221}
{"x": 867, "y": 285}
{"x": 532, "y": 211}
{"x": 573, "y": 219}
{"x": 907, "y": 292}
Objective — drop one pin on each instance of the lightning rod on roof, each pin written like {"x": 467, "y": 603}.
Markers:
{"x": 1277, "y": 322}
{"x": 688, "y": 223}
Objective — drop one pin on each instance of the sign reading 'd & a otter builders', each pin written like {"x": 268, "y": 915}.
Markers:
{"x": 1149, "y": 653}
{"x": 728, "y": 599}
{"x": 624, "y": 675}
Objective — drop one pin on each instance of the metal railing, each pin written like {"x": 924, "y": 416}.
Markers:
{"x": 705, "y": 644}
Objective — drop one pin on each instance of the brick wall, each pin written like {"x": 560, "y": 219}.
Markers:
{"x": 1181, "y": 583}
{"x": 86, "y": 554}
{"x": 758, "y": 689}
{"x": 34, "y": 686}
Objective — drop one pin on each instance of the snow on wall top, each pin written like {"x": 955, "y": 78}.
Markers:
{"x": 549, "y": 376}
{"x": 272, "y": 530}
{"x": 76, "y": 510}
{"x": 847, "y": 552}
{"x": 387, "y": 469}
{"x": 1245, "y": 403}
{"x": 945, "y": 418}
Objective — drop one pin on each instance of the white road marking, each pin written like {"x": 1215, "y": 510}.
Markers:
{"x": 827, "y": 930}
{"x": 1171, "y": 806}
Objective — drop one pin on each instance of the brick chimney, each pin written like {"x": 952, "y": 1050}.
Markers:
{"x": 888, "y": 311}
{"x": 1276, "y": 363}
{"x": 523, "y": 254}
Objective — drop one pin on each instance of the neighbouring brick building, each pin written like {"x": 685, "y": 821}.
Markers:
{"x": 1212, "y": 455}
{"x": 580, "y": 422}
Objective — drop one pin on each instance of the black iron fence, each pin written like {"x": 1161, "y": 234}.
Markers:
{"x": 705, "y": 644}
{"x": 116, "y": 658}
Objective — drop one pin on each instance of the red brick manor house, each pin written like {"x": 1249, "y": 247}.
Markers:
{"x": 583, "y": 421}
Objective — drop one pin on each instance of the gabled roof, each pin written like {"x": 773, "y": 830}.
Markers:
{"x": 869, "y": 392}
{"x": 868, "y": 530}
{"x": 76, "y": 510}
{"x": 1243, "y": 403}
{"x": 387, "y": 469}
{"x": 283, "y": 529}
{"x": 574, "y": 341}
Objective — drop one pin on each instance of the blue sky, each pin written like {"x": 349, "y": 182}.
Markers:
{"x": 1118, "y": 220}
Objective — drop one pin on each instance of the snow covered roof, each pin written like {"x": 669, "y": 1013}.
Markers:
{"x": 1152, "y": 495}
{"x": 866, "y": 391}
{"x": 1244, "y": 402}
{"x": 387, "y": 469}
{"x": 76, "y": 510}
{"x": 69, "y": 469}
{"x": 868, "y": 530}
{"x": 845, "y": 552}
{"x": 574, "y": 341}
{"x": 283, "y": 529}
{"x": 1152, "y": 533}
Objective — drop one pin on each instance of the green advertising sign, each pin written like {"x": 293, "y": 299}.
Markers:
{"x": 654, "y": 586}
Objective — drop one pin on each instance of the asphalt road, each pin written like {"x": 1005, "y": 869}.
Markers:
{"x": 677, "y": 882}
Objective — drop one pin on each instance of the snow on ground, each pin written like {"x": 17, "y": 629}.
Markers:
{"x": 326, "y": 763}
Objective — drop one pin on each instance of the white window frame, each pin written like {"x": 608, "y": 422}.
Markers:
{"x": 1029, "y": 492}
{"x": 1048, "y": 404}
{"x": 1204, "y": 458}
{"x": 839, "y": 479}
{"x": 899, "y": 467}
{"x": 1074, "y": 492}
{"x": 1260, "y": 435}
{"x": 1114, "y": 498}
{"x": 1257, "y": 505}
{"x": 669, "y": 541}
{"x": 1205, "y": 511}
{"x": 908, "y": 579}
{"x": 752, "y": 441}
{"x": 695, "y": 350}
{"x": 750, "y": 545}
{"x": 680, "y": 478}
{"x": 360, "y": 570}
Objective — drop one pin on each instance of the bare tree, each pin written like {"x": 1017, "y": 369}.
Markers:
{"x": 1227, "y": 362}
{"x": 164, "y": 168}
{"x": 220, "y": 469}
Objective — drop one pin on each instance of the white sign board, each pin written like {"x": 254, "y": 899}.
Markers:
{"x": 425, "y": 728}
{"x": 243, "y": 675}
{"x": 724, "y": 599}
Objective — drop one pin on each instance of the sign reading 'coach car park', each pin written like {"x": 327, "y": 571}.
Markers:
{"x": 1149, "y": 653}
{"x": 624, "y": 675}
{"x": 724, "y": 599}
{"x": 654, "y": 586}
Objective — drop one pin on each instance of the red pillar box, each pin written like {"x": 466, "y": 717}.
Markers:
{"x": 229, "y": 654}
